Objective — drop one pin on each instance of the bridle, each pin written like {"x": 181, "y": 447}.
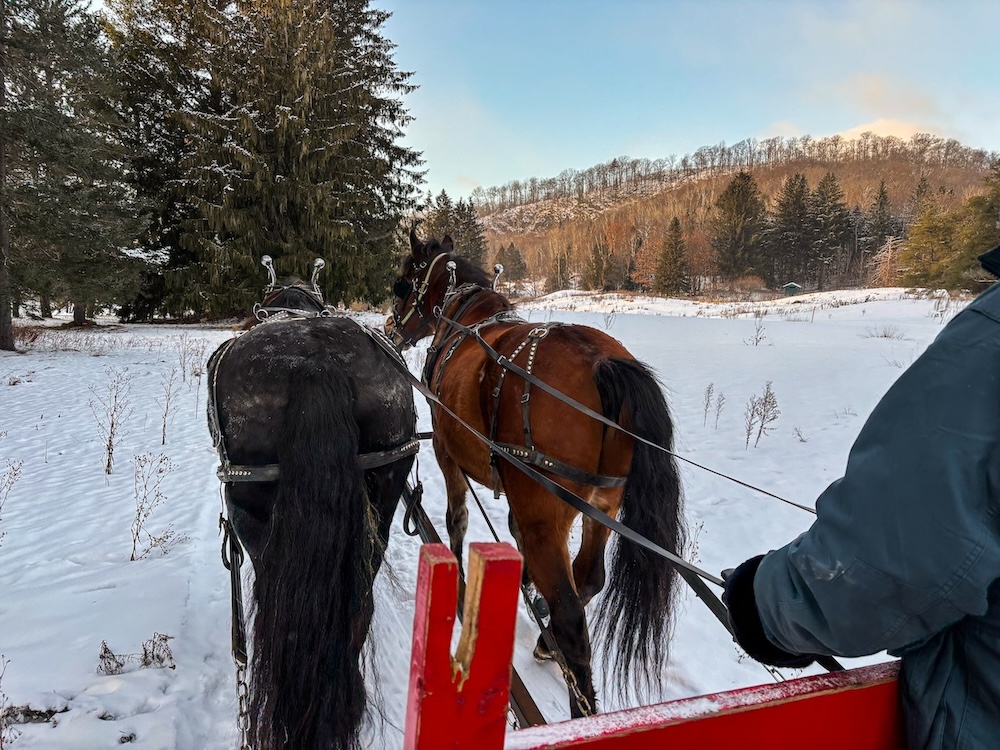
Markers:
{"x": 416, "y": 306}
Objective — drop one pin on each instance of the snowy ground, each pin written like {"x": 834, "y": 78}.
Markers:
{"x": 68, "y": 584}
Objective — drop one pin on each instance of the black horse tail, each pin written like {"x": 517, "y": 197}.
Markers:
{"x": 636, "y": 614}
{"x": 313, "y": 580}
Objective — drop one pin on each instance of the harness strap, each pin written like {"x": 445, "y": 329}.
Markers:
{"x": 505, "y": 362}
{"x": 232, "y": 558}
{"x": 236, "y": 473}
{"x": 559, "y": 468}
{"x": 228, "y": 472}
{"x": 266, "y": 314}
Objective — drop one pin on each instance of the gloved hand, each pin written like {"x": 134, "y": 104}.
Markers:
{"x": 745, "y": 621}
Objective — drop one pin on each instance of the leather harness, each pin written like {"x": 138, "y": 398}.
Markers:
{"x": 436, "y": 364}
{"x": 229, "y": 472}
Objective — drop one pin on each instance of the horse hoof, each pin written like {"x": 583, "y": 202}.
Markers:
{"x": 541, "y": 653}
{"x": 541, "y": 606}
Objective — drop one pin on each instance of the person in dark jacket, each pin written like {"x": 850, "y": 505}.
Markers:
{"x": 904, "y": 554}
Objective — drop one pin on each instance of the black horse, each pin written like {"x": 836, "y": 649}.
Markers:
{"x": 315, "y": 428}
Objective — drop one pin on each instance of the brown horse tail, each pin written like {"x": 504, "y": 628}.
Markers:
{"x": 636, "y": 613}
{"x": 312, "y": 590}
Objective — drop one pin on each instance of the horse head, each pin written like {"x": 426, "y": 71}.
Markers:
{"x": 421, "y": 286}
{"x": 288, "y": 295}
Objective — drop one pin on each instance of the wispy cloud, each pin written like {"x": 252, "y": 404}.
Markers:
{"x": 887, "y": 126}
{"x": 884, "y": 95}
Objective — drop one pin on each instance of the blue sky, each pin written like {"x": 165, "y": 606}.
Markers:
{"x": 514, "y": 89}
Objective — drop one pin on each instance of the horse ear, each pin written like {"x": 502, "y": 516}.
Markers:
{"x": 416, "y": 246}
{"x": 447, "y": 244}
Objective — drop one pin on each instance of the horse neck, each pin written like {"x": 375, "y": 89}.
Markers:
{"x": 475, "y": 306}
{"x": 293, "y": 298}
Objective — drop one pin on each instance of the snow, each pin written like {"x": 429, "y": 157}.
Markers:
{"x": 68, "y": 583}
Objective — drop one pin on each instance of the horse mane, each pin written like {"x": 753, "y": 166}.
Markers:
{"x": 292, "y": 291}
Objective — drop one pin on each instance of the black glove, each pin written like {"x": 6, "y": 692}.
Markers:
{"x": 745, "y": 621}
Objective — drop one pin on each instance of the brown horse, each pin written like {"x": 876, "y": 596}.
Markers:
{"x": 611, "y": 470}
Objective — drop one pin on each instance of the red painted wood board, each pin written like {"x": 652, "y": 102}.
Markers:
{"x": 856, "y": 709}
{"x": 460, "y": 702}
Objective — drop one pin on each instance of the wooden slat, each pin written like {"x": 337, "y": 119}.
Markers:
{"x": 525, "y": 709}
{"x": 460, "y": 702}
{"x": 855, "y": 709}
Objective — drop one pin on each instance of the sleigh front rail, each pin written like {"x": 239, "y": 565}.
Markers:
{"x": 460, "y": 702}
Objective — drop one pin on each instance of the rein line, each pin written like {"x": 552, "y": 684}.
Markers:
{"x": 694, "y": 576}
{"x": 576, "y": 501}
{"x": 552, "y": 391}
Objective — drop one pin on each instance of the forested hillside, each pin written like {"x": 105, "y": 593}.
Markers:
{"x": 822, "y": 213}
{"x": 152, "y": 152}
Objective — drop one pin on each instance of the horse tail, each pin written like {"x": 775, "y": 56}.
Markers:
{"x": 636, "y": 613}
{"x": 313, "y": 582}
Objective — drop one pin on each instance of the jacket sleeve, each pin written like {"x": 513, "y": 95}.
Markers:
{"x": 908, "y": 541}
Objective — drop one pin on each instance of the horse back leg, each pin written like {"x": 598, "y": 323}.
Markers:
{"x": 588, "y": 566}
{"x": 457, "y": 515}
{"x": 544, "y": 524}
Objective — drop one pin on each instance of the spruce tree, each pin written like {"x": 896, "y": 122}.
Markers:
{"x": 296, "y": 154}
{"x": 832, "y": 231}
{"x": 879, "y": 221}
{"x": 736, "y": 227}
{"x": 672, "y": 273}
{"x": 65, "y": 195}
{"x": 440, "y": 218}
{"x": 468, "y": 235}
{"x": 788, "y": 241}
{"x": 160, "y": 69}
{"x": 929, "y": 248}
{"x": 514, "y": 266}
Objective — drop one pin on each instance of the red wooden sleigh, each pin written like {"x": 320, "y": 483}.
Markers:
{"x": 460, "y": 702}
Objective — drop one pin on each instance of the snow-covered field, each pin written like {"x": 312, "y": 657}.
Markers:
{"x": 67, "y": 582}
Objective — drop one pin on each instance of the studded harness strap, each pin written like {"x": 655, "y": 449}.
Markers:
{"x": 435, "y": 365}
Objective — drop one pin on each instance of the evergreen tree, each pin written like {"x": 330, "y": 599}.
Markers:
{"x": 460, "y": 222}
{"x": 469, "y": 239}
{"x": 736, "y": 227}
{"x": 921, "y": 200}
{"x": 440, "y": 219}
{"x": 929, "y": 249}
{"x": 788, "y": 240}
{"x": 878, "y": 226}
{"x": 942, "y": 248}
{"x": 295, "y": 154}
{"x": 159, "y": 66}
{"x": 672, "y": 273}
{"x": 514, "y": 267}
{"x": 832, "y": 230}
{"x": 6, "y": 284}
{"x": 64, "y": 189}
